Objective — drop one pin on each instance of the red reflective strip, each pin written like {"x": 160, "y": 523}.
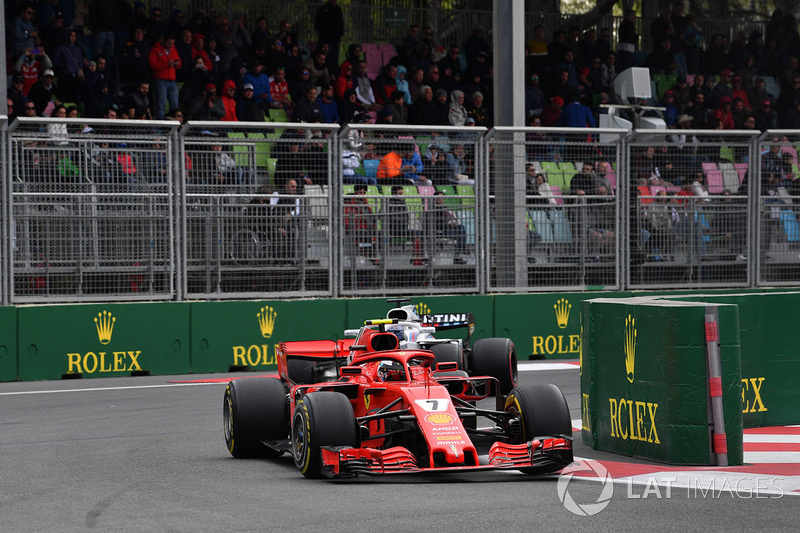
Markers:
{"x": 712, "y": 334}
{"x": 720, "y": 443}
{"x": 715, "y": 387}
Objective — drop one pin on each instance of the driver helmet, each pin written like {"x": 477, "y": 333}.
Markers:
{"x": 391, "y": 371}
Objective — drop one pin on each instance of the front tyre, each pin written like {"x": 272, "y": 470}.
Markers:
{"x": 254, "y": 410}
{"x": 495, "y": 357}
{"x": 542, "y": 411}
{"x": 320, "y": 419}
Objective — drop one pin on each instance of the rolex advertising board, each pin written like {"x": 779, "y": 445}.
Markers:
{"x": 243, "y": 335}
{"x": 770, "y": 355}
{"x": 644, "y": 380}
{"x": 542, "y": 326}
{"x": 8, "y": 344}
{"x": 102, "y": 340}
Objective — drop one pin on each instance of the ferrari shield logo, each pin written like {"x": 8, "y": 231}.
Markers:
{"x": 366, "y": 401}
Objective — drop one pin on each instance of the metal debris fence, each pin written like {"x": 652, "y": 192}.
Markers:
{"x": 107, "y": 210}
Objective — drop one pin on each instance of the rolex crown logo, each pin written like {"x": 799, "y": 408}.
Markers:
{"x": 104, "y": 322}
{"x": 422, "y": 309}
{"x": 266, "y": 321}
{"x": 630, "y": 346}
{"x": 562, "y": 308}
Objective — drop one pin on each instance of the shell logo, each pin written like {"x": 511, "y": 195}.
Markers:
{"x": 439, "y": 418}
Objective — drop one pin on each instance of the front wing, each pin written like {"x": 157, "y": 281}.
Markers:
{"x": 543, "y": 455}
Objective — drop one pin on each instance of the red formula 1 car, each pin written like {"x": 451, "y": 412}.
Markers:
{"x": 387, "y": 410}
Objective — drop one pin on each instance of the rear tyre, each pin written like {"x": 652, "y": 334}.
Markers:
{"x": 543, "y": 411}
{"x": 496, "y": 357}
{"x": 254, "y": 410}
{"x": 321, "y": 419}
{"x": 449, "y": 353}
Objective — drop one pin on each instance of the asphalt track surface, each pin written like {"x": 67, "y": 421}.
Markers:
{"x": 147, "y": 454}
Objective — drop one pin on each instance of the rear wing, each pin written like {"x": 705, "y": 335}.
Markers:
{"x": 446, "y": 321}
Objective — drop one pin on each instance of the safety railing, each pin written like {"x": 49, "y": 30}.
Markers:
{"x": 97, "y": 210}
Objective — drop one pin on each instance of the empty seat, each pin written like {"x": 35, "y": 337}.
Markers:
{"x": 371, "y": 168}
{"x": 741, "y": 170}
{"x": 714, "y": 181}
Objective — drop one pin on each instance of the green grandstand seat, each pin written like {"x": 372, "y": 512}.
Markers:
{"x": 278, "y": 115}
{"x": 467, "y": 193}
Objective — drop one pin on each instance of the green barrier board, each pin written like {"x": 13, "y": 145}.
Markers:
{"x": 770, "y": 355}
{"x": 239, "y": 335}
{"x": 8, "y": 344}
{"x": 103, "y": 340}
{"x": 542, "y": 325}
{"x": 644, "y": 384}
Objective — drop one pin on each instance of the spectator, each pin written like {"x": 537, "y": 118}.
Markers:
{"x": 329, "y": 112}
{"x": 435, "y": 165}
{"x": 682, "y": 94}
{"x": 716, "y": 56}
{"x": 98, "y": 105}
{"x": 308, "y": 109}
{"x": 552, "y": 114}
{"x": 363, "y": 87}
{"x": 537, "y": 185}
{"x": 758, "y": 93}
{"x": 198, "y": 80}
{"x": 329, "y": 24}
{"x": 738, "y": 92}
{"x": 287, "y": 35}
{"x": 396, "y": 105}
{"x": 402, "y": 84}
{"x": 279, "y": 90}
{"x": 344, "y": 80}
{"x": 788, "y": 96}
{"x": 68, "y": 66}
{"x": 385, "y": 84}
{"x": 442, "y": 108}
{"x": 44, "y": 91}
{"x": 557, "y": 47}
{"x": 390, "y": 168}
{"x": 460, "y": 167}
{"x": 722, "y": 89}
{"x": 198, "y": 50}
{"x": 396, "y": 215}
{"x": 423, "y": 111}
{"x": 207, "y": 106}
{"x": 319, "y": 76}
{"x": 225, "y": 38}
{"x": 535, "y": 101}
{"x": 692, "y": 44}
{"x": 739, "y": 113}
{"x": 477, "y": 112}
{"x": 354, "y": 54}
{"x": 229, "y": 101}
{"x": 451, "y": 64}
{"x": 457, "y": 115}
{"x": 138, "y": 101}
{"x": 412, "y": 166}
{"x": 299, "y": 88}
{"x": 135, "y": 58}
{"x": 432, "y": 78}
{"x": 24, "y": 33}
{"x": 360, "y": 223}
{"x": 351, "y": 160}
{"x": 670, "y": 110}
{"x": 260, "y": 35}
{"x": 660, "y": 59}
{"x": 415, "y": 83}
{"x": 765, "y": 118}
{"x": 350, "y": 109}
{"x": 186, "y": 53}
{"x": 241, "y": 39}
{"x": 248, "y": 109}
{"x": 54, "y": 34}
{"x": 537, "y": 49}
{"x": 105, "y": 19}
{"x": 164, "y": 62}
{"x": 156, "y": 27}
{"x": 16, "y": 96}
{"x": 576, "y": 115}
{"x": 260, "y": 82}
{"x": 628, "y": 40}
{"x": 31, "y": 67}
{"x": 444, "y": 223}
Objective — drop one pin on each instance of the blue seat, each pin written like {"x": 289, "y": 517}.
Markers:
{"x": 371, "y": 168}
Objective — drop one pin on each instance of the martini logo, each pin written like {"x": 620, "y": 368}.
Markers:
{"x": 562, "y": 308}
{"x": 266, "y": 321}
{"x": 104, "y": 322}
{"x": 439, "y": 418}
{"x": 100, "y": 361}
{"x": 630, "y": 346}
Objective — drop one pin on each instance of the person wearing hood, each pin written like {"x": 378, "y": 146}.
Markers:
{"x": 229, "y": 101}
{"x": 348, "y": 107}
{"x": 457, "y": 115}
{"x": 435, "y": 166}
{"x": 198, "y": 50}
{"x": 207, "y": 106}
{"x": 344, "y": 81}
{"x": 726, "y": 113}
{"x": 103, "y": 99}
{"x": 443, "y": 108}
{"x": 402, "y": 84}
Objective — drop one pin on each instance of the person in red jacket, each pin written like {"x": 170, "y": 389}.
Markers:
{"x": 164, "y": 61}
{"x": 229, "y": 101}
{"x": 344, "y": 81}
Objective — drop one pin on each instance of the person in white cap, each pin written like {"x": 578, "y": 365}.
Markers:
{"x": 44, "y": 91}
